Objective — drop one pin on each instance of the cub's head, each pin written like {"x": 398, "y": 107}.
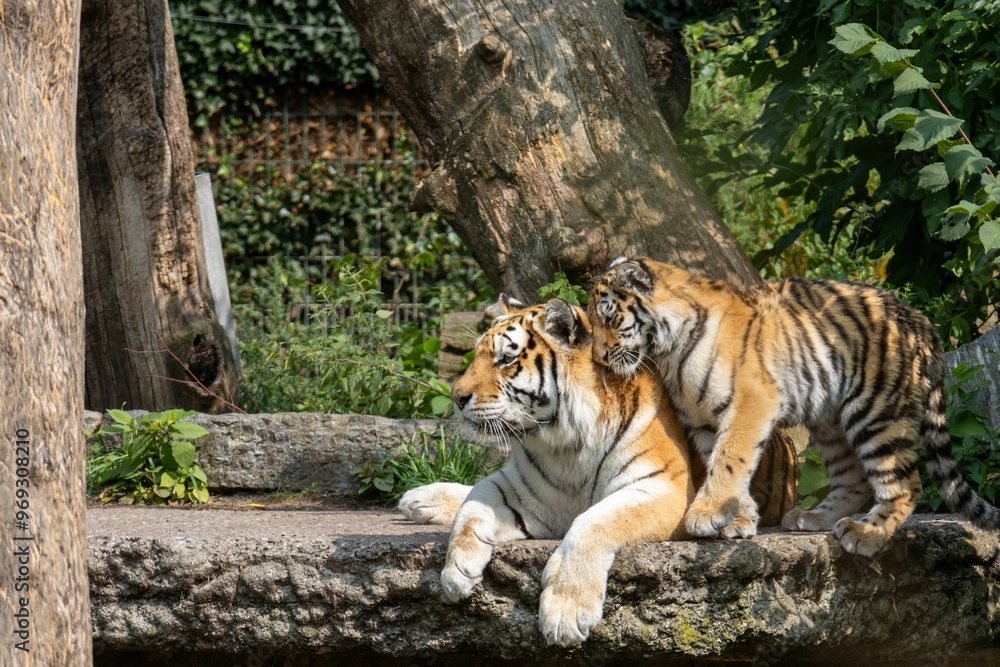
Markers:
{"x": 619, "y": 309}
{"x": 516, "y": 382}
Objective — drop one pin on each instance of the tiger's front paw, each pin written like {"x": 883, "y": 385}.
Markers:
{"x": 457, "y": 585}
{"x": 706, "y": 519}
{"x": 571, "y": 604}
{"x": 433, "y": 503}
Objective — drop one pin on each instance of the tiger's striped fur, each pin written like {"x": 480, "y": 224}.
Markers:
{"x": 597, "y": 460}
{"x": 860, "y": 369}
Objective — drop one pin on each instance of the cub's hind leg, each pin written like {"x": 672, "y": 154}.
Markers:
{"x": 889, "y": 459}
{"x": 849, "y": 489}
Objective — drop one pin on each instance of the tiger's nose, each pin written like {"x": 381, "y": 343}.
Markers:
{"x": 461, "y": 398}
{"x": 600, "y": 357}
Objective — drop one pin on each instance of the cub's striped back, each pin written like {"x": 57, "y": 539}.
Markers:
{"x": 860, "y": 369}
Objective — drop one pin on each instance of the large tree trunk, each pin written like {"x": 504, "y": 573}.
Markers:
{"x": 144, "y": 266}
{"x": 548, "y": 150}
{"x": 43, "y": 564}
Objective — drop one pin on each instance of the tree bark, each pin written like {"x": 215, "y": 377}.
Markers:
{"x": 548, "y": 150}
{"x": 153, "y": 339}
{"x": 43, "y": 566}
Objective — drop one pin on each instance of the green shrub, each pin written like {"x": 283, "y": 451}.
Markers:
{"x": 828, "y": 140}
{"x": 424, "y": 460}
{"x": 156, "y": 461}
{"x": 239, "y": 54}
{"x": 562, "y": 288}
{"x": 348, "y": 356}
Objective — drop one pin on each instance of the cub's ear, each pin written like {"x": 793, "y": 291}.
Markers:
{"x": 505, "y": 305}
{"x": 563, "y": 323}
{"x": 631, "y": 276}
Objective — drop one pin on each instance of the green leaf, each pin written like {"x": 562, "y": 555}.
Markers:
{"x": 139, "y": 446}
{"x": 965, "y": 371}
{"x": 812, "y": 477}
{"x": 934, "y": 126}
{"x": 199, "y": 474}
{"x": 184, "y": 454}
{"x": 384, "y": 483}
{"x": 929, "y": 127}
{"x": 968, "y": 423}
{"x": 853, "y": 38}
{"x": 121, "y": 417}
{"x": 964, "y": 161}
{"x": 933, "y": 177}
{"x": 440, "y": 405}
{"x": 900, "y": 118}
{"x": 188, "y": 430}
{"x": 167, "y": 480}
{"x": 886, "y": 53}
{"x": 909, "y": 81}
{"x": 989, "y": 234}
{"x": 383, "y": 314}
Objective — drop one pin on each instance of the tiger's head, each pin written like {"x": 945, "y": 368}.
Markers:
{"x": 518, "y": 381}
{"x": 620, "y": 307}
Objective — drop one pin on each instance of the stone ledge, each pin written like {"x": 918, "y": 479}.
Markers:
{"x": 366, "y": 583}
{"x": 296, "y": 450}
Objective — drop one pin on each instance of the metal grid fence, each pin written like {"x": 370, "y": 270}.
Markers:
{"x": 347, "y": 134}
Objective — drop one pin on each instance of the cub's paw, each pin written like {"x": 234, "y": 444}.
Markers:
{"x": 457, "y": 585}
{"x": 791, "y": 519}
{"x": 811, "y": 520}
{"x": 858, "y": 537}
{"x": 571, "y": 603}
{"x": 433, "y": 503}
{"x": 704, "y": 519}
{"x": 742, "y": 527}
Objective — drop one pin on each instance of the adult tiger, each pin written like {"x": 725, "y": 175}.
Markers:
{"x": 861, "y": 370}
{"x": 598, "y": 460}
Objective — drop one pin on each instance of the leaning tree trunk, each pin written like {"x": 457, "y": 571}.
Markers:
{"x": 153, "y": 339}
{"x": 548, "y": 150}
{"x": 43, "y": 564}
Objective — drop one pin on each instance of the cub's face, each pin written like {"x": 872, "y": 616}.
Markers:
{"x": 512, "y": 385}
{"x": 616, "y": 314}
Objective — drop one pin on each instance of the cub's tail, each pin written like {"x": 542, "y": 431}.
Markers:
{"x": 941, "y": 462}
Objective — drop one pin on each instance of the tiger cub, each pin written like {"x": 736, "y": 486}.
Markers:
{"x": 597, "y": 460}
{"x": 862, "y": 371}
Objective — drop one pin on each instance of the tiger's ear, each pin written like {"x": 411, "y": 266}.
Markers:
{"x": 562, "y": 322}
{"x": 509, "y": 304}
{"x": 632, "y": 276}
{"x": 505, "y": 305}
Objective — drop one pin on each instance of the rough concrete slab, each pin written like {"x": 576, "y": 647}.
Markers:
{"x": 363, "y": 582}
